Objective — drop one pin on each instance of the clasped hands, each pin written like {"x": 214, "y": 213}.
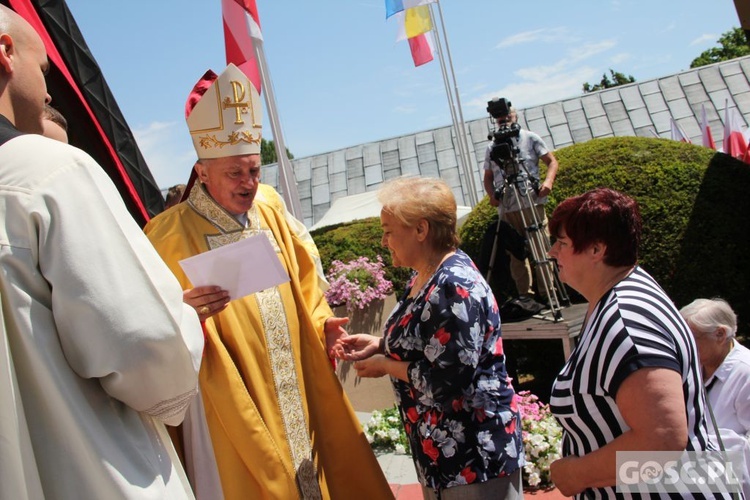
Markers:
{"x": 364, "y": 350}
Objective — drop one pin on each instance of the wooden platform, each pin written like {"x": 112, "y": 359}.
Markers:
{"x": 543, "y": 327}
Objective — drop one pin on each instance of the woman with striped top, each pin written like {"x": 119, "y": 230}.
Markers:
{"x": 633, "y": 382}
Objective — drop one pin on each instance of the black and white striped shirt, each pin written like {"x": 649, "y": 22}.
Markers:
{"x": 634, "y": 326}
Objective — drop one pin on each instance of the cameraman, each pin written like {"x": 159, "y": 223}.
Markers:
{"x": 531, "y": 148}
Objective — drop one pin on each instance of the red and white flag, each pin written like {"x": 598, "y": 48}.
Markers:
{"x": 241, "y": 32}
{"x": 678, "y": 134}
{"x": 708, "y": 139}
{"x": 421, "y": 48}
{"x": 415, "y": 25}
{"x": 734, "y": 140}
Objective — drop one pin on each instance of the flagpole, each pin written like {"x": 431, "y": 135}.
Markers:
{"x": 454, "y": 117}
{"x": 286, "y": 175}
{"x": 461, "y": 129}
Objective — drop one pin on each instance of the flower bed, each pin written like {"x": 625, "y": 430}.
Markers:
{"x": 357, "y": 283}
{"x": 542, "y": 439}
{"x": 385, "y": 432}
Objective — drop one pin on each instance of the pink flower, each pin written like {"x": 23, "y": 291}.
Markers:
{"x": 357, "y": 283}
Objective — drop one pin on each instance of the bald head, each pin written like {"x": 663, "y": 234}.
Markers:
{"x": 23, "y": 62}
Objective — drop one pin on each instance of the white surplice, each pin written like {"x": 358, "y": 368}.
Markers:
{"x": 97, "y": 349}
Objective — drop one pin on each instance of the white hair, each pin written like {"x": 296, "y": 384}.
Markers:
{"x": 707, "y": 315}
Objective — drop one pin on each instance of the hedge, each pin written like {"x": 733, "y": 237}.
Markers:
{"x": 694, "y": 203}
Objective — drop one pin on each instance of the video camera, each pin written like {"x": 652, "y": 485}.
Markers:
{"x": 503, "y": 148}
{"x": 498, "y": 106}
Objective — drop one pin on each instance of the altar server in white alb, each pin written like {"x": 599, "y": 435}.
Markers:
{"x": 97, "y": 349}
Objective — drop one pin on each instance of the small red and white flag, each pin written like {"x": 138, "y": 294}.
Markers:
{"x": 708, "y": 140}
{"x": 241, "y": 32}
{"x": 421, "y": 48}
{"x": 678, "y": 134}
{"x": 415, "y": 25}
{"x": 734, "y": 140}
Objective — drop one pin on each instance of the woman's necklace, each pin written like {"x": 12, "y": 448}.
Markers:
{"x": 425, "y": 274}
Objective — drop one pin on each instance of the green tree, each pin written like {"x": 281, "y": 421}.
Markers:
{"x": 617, "y": 79}
{"x": 733, "y": 44}
{"x": 268, "y": 152}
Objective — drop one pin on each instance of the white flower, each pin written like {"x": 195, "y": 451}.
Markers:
{"x": 534, "y": 479}
{"x": 459, "y": 310}
{"x": 433, "y": 350}
{"x": 400, "y": 449}
{"x": 542, "y": 440}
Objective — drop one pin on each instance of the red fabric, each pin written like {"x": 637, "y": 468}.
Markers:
{"x": 734, "y": 142}
{"x": 708, "y": 139}
{"x": 27, "y": 11}
{"x": 251, "y": 8}
{"x": 735, "y": 145}
{"x": 238, "y": 39}
{"x": 421, "y": 52}
{"x": 200, "y": 88}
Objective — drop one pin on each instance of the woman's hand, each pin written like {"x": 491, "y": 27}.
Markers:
{"x": 206, "y": 300}
{"x": 372, "y": 367}
{"x": 357, "y": 347}
{"x": 564, "y": 474}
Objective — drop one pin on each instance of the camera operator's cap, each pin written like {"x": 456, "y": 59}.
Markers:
{"x": 224, "y": 115}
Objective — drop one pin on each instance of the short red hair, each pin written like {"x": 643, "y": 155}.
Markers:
{"x": 601, "y": 215}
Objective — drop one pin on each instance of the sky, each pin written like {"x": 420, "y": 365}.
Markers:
{"x": 341, "y": 79}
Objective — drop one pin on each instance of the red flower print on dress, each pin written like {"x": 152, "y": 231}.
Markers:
{"x": 499, "y": 347}
{"x": 405, "y": 320}
{"x": 469, "y": 475}
{"x": 462, "y": 292}
{"x": 429, "y": 449}
{"x": 480, "y": 415}
{"x": 458, "y": 403}
{"x": 412, "y": 415}
{"x": 443, "y": 336}
{"x": 511, "y": 427}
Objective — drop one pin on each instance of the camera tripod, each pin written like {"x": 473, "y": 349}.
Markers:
{"x": 536, "y": 237}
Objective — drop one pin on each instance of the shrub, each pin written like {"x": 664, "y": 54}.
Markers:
{"x": 694, "y": 205}
{"x": 361, "y": 238}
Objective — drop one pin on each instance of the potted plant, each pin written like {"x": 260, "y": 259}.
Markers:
{"x": 357, "y": 283}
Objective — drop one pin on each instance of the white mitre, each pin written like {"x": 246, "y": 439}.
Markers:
{"x": 224, "y": 115}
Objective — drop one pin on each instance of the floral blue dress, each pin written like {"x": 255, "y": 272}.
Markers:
{"x": 458, "y": 407}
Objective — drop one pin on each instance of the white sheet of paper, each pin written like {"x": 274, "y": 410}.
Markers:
{"x": 241, "y": 268}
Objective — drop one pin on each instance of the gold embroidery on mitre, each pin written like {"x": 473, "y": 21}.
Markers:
{"x": 210, "y": 141}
